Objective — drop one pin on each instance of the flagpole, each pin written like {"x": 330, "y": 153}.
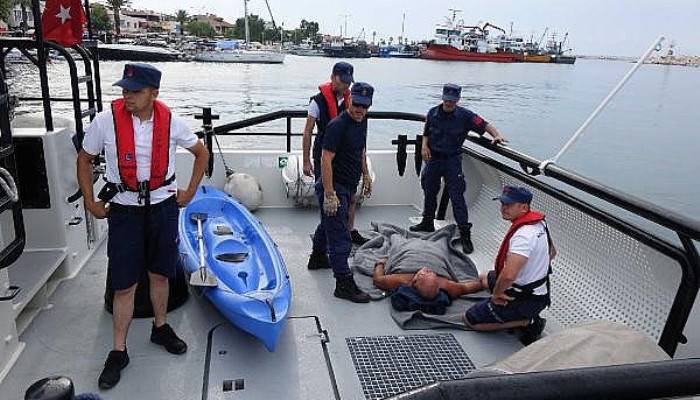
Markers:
{"x": 87, "y": 15}
{"x": 94, "y": 52}
{"x": 43, "y": 76}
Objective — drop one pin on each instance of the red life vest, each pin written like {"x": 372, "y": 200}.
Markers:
{"x": 126, "y": 147}
{"x": 531, "y": 218}
{"x": 331, "y": 100}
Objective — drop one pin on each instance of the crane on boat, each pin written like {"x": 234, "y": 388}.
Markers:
{"x": 562, "y": 43}
{"x": 488, "y": 24}
{"x": 539, "y": 42}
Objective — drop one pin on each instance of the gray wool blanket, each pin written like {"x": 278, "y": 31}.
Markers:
{"x": 408, "y": 252}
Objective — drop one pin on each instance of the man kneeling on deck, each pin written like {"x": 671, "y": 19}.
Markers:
{"x": 520, "y": 281}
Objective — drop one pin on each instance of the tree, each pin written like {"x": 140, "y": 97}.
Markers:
{"x": 201, "y": 29}
{"x": 230, "y": 34}
{"x": 99, "y": 18}
{"x": 6, "y": 7}
{"x": 182, "y": 18}
{"x": 306, "y": 30}
{"x": 309, "y": 29}
{"x": 116, "y": 7}
{"x": 259, "y": 29}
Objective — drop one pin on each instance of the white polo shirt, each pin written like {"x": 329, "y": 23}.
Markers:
{"x": 531, "y": 241}
{"x": 100, "y": 135}
{"x": 313, "y": 110}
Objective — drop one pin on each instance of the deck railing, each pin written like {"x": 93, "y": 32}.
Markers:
{"x": 687, "y": 230}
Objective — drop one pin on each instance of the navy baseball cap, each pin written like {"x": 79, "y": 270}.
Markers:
{"x": 451, "y": 92}
{"x": 139, "y": 76}
{"x": 361, "y": 93}
{"x": 344, "y": 72}
{"x": 515, "y": 194}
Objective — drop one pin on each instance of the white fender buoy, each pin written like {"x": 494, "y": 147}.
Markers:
{"x": 246, "y": 189}
{"x": 297, "y": 185}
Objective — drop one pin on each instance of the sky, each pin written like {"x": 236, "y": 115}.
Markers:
{"x": 595, "y": 27}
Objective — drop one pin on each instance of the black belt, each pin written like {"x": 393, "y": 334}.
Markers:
{"x": 122, "y": 209}
{"x": 527, "y": 291}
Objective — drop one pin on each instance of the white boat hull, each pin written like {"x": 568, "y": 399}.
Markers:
{"x": 251, "y": 57}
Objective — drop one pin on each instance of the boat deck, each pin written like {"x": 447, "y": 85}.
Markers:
{"x": 73, "y": 335}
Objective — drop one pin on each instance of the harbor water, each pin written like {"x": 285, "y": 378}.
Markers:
{"x": 645, "y": 143}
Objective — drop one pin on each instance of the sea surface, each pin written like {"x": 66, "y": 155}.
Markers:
{"x": 646, "y": 142}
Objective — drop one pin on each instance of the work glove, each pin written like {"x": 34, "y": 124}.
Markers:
{"x": 330, "y": 204}
{"x": 366, "y": 185}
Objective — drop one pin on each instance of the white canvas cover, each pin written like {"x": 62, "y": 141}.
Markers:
{"x": 590, "y": 344}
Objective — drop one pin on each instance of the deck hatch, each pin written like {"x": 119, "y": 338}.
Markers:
{"x": 389, "y": 365}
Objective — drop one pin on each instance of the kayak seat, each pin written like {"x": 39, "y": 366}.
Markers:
{"x": 223, "y": 230}
{"x": 230, "y": 250}
{"x": 232, "y": 257}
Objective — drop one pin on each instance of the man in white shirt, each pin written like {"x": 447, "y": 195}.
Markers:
{"x": 139, "y": 136}
{"x": 519, "y": 282}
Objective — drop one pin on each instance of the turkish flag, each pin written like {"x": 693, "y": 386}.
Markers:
{"x": 62, "y": 22}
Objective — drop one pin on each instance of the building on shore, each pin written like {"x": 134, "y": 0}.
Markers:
{"x": 220, "y": 25}
{"x": 14, "y": 22}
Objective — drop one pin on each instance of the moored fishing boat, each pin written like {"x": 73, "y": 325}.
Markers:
{"x": 131, "y": 52}
{"x": 455, "y": 41}
{"x": 451, "y": 53}
{"x": 537, "y": 58}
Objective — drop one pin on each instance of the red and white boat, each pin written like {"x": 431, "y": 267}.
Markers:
{"x": 454, "y": 41}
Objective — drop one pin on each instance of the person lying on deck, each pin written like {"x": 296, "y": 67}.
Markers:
{"x": 425, "y": 281}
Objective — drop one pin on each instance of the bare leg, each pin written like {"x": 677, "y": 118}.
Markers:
{"x": 122, "y": 313}
{"x": 351, "y": 213}
{"x": 159, "y": 286}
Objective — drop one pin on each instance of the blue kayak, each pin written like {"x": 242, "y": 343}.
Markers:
{"x": 253, "y": 290}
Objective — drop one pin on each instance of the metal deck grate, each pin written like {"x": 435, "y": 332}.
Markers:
{"x": 389, "y": 365}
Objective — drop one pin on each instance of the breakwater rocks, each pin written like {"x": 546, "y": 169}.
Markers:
{"x": 688, "y": 61}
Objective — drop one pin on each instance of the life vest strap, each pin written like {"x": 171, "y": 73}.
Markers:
{"x": 143, "y": 189}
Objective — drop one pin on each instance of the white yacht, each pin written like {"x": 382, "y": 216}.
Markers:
{"x": 229, "y": 52}
{"x": 241, "y": 56}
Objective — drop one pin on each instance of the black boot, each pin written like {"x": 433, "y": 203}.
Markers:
{"x": 357, "y": 238}
{"x": 318, "y": 260}
{"x": 116, "y": 362}
{"x": 166, "y": 337}
{"x": 465, "y": 237}
{"x": 426, "y": 225}
{"x": 533, "y": 331}
{"x": 345, "y": 288}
